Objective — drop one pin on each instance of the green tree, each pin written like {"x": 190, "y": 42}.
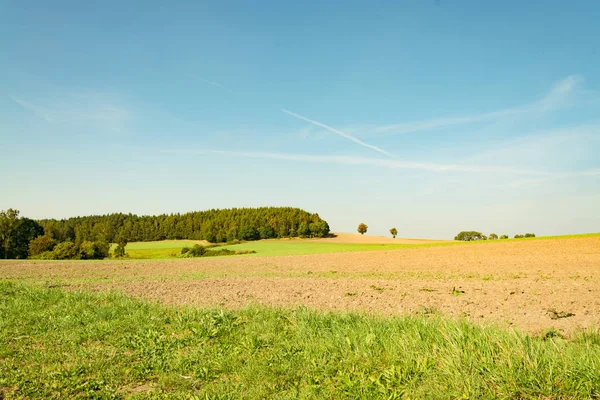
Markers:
{"x": 26, "y": 230}
{"x": 493, "y": 236}
{"x": 394, "y": 232}
{"x": 468, "y": 236}
{"x": 303, "y": 230}
{"x": 65, "y": 251}
{"x": 504, "y": 237}
{"x": 41, "y": 244}
{"x": 530, "y": 235}
{"x": 94, "y": 250}
{"x": 362, "y": 228}
{"x": 8, "y": 222}
{"x": 119, "y": 250}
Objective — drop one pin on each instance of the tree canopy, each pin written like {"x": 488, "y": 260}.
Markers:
{"x": 16, "y": 234}
{"x": 468, "y": 236}
{"x": 362, "y": 228}
{"x": 212, "y": 225}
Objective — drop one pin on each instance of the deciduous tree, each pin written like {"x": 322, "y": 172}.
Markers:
{"x": 394, "y": 232}
{"x": 362, "y": 228}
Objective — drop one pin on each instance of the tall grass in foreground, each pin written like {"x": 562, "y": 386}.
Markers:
{"x": 56, "y": 344}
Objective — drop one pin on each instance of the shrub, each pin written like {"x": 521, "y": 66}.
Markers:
{"x": 530, "y": 235}
{"x": 504, "y": 237}
{"x": 517, "y": 236}
{"x": 185, "y": 250}
{"x": 120, "y": 250}
{"x": 197, "y": 251}
{"x": 94, "y": 250}
{"x": 65, "y": 251}
{"x": 47, "y": 255}
{"x": 41, "y": 244}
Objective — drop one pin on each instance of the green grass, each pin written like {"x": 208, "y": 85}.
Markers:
{"x": 169, "y": 248}
{"x": 297, "y": 247}
{"x": 56, "y": 344}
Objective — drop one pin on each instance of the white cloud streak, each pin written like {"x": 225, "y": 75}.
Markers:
{"x": 212, "y": 83}
{"x": 376, "y": 162}
{"x": 336, "y": 131}
{"x": 558, "y": 97}
{"x": 79, "y": 108}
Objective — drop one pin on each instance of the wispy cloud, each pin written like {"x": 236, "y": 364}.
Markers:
{"x": 336, "y": 131}
{"x": 40, "y": 112}
{"x": 78, "y": 108}
{"x": 212, "y": 83}
{"x": 350, "y": 160}
{"x": 559, "y": 96}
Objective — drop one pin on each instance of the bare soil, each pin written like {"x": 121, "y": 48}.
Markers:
{"x": 532, "y": 285}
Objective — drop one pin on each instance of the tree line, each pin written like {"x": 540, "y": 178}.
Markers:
{"x": 96, "y": 231}
{"x": 468, "y": 236}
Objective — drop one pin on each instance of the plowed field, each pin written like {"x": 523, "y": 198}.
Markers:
{"x": 529, "y": 284}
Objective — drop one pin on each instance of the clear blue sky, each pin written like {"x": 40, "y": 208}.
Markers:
{"x": 430, "y": 116}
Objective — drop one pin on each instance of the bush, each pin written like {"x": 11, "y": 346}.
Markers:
{"x": 530, "y": 235}
{"x": 119, "y": 251}
{"x": 504, "y": 237}
{"x": 94, "y": 250}
{"x": 41, "y": 244}
{"x": 65, "y": 251}
{"x": 517, "y": 236}
{"x": 185, "y": 250}
{"x": 197, "y": 251}
{"x": 493, "y": 236}
{"x": 47, "y": 255}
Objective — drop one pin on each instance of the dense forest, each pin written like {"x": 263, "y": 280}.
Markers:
{"x": 88, "y": 237}
{"x": 212, "y": 225}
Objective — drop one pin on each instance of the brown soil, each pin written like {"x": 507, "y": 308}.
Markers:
{"x": 533, "y": 285}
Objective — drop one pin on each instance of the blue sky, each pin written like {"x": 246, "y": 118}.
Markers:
{"x": 429, "y": 116}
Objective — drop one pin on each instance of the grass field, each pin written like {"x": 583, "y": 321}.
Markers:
{"x": 158, "y": 249}
{"x": 56, "y": 344}
{"x": 277, "y": 247}
{"x": 172, "y": 248}
{"x": 496, "y": 319}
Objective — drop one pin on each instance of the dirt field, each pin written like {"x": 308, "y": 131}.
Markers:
{"x": 531, "y": 284}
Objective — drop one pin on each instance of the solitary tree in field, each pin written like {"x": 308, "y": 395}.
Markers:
{"x": 362, "y": 228}
{"x": 394, "y": 232}
{"x": 493, "y": 236}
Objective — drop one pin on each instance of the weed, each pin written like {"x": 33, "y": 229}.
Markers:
{"x": 457, "y": 292}
{"x": 554, "y": 314}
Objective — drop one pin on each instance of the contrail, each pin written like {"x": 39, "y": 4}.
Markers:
{"x": 213, "y": 83}
{"x": 338, "y": 132}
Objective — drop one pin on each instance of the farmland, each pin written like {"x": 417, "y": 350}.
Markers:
{"x": 511, "y": 318}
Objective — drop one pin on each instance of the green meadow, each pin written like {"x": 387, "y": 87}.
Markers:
{"x": 279, "y": 247}
{"x": 56, "y": 344}
{"x": 271, "y": 247}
